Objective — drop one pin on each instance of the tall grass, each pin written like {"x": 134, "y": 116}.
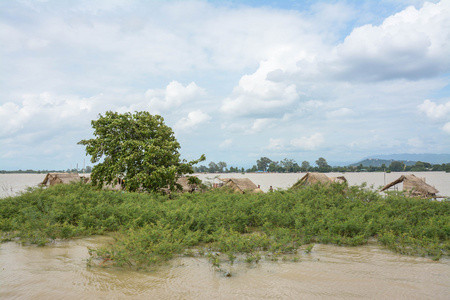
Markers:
{"x": 151, "y": 228}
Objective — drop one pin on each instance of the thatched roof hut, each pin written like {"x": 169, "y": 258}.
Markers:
{"x": 313, "y": 178}
{"x": 339, "y": 179}
{"x": 186, "y": 186}
{"x": 415, "y": 186}
{"x": 57, "y": 178}
{"x": 241, "y": 185}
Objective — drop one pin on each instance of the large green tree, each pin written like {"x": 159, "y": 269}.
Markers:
{"x": 139, "y": 148}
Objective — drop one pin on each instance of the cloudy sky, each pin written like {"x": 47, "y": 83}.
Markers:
{"x": 236, "y": 80}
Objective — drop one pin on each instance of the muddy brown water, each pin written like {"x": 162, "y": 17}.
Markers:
{"x": 60, "y": 271}
{"x": 440, "y": 180}
{"x": 11, "y": 184}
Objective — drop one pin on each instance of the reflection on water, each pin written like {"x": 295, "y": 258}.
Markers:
{"x": 60, "y": 271}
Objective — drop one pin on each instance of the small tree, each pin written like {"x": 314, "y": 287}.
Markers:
{"x": 274, "y": 166}
{"x": 263, "y": 163}
{"x": 418, "y": 166}
{"x": 139, "y": 148}
{"x": 213, "y": 167}
{"x": 222, "y": 166}
{"x": 323, "y": 165}
{"x": 305, "y": 166}
{"x": 396, "y": 166}
{"x": 201, "y": 169}
{"x": 288, "y": 165}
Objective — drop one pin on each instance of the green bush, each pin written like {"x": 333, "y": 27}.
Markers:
{"x": 151, "y": 228}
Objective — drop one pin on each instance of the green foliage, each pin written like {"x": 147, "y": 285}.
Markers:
{"x": 151, "y": 228}
{"x": 139, "y": 148}
{"x": 322, "y": 165}
{"x": 396, "y": 166}
{"x": 194, "y": 180}
{"x": 263, "y": 163}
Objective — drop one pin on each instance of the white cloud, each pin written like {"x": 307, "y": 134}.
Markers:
{"x": 102, "y": 6}
{"x": 438, "y": 112}
{"x": 269, "y": 72}
{"x": 276, "y": 144}
{"x": 226, "y": 143}
{"x": 447, "y": 127}
{"x": 173, "y": 96}
{"x": 308, "y": 143}
{"x": 415, "y": 142}
{"x": 257, "y": 96}
{"x": 413, "y": 43}
{"x": 37, "y": 43}
{"x": 305, "y": 108}
{"x": 313, "y": 104}
{"x": 259, "y": 125}
{"x": 340, "y": 113}
{"x": 373, "y": 140}
{"x": 192, "y": 121}
{"x": 10, "y": 118}
{"x": 44, "y": 112}
{"x": 265, "y": 92}
{"x": 435, "y": 111}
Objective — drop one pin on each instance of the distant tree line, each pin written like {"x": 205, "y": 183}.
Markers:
{"x": 265, "y": 164}
{"x": 88, "y": 169}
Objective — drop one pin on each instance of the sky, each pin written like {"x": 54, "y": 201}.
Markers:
{"x": 236, "y": 80}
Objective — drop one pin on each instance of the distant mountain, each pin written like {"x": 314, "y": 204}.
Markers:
{"x": 423, "y": 157}
{"x": 375, "y": 162}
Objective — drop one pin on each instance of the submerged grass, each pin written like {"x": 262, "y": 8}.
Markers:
{"x": 151, "y": 228}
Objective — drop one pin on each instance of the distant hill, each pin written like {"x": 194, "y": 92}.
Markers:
{"x": 423, "y": 157}
{"x": 407, "y": 159}
{"x": 375, "y": 162}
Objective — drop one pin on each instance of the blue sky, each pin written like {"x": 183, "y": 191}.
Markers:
{"x": 236, "y": 80}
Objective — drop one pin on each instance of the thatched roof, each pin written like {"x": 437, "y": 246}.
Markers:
{"x": 56, "y": 178}
{"x": 414, "y": 185}
{"x": 339, "y": 179}
{"x": 187, "y": 187}
{"x": 314, "y": 178}
{"x": 241, "y": 185}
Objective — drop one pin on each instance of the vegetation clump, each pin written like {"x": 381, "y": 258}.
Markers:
{"x": 151, "y": 228}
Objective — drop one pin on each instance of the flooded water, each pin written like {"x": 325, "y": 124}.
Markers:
{"x": 440, "y": 180}
{"x": 59, "y": 271}
{"x": 11, "y": 184}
